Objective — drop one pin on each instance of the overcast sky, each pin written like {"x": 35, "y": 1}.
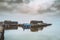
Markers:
{"x": 30, "y": 6}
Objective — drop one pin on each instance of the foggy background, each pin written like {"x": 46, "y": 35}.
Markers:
{"x": 30, "y": 6}
{"x": 24, "y": 11}
{"x": 33, "y": 9}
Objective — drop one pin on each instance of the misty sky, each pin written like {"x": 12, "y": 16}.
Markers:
{"x": 29, "y": 6}
{"x": 24, "y": 11}
{"x": 27, "y": 10}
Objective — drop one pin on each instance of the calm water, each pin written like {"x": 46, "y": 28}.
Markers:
{"x": 49, "y": 33}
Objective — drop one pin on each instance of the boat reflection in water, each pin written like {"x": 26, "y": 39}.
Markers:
{"x": 35, "y": 26}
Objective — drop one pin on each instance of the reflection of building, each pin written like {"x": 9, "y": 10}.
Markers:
{"x": 35, "y": 22}
{"x": 35, "y": 28}
{"x": 33, "y": 25}
{"x": 9, "y": 24}
{"x": 38, "y": 25}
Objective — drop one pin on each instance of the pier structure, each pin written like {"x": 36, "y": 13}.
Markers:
{"x": 34, "y": 26}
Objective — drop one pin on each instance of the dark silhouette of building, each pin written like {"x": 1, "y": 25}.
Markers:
{"x": 10, "y": 25}
{"x": 35, "y": 22}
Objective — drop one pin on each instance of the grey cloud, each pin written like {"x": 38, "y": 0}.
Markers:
{"x": 57, "y": 4}
{"x": 26, "y": 1}
{"x": 12, "y": 1}
{"x": 11, "y": 5}
{"x": 1, "y": 0}
{"x": 8, "y": 5}
{"x": 54, "y": 8}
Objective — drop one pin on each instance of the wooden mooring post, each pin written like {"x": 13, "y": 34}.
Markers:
{"x": 1, "y": 33}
